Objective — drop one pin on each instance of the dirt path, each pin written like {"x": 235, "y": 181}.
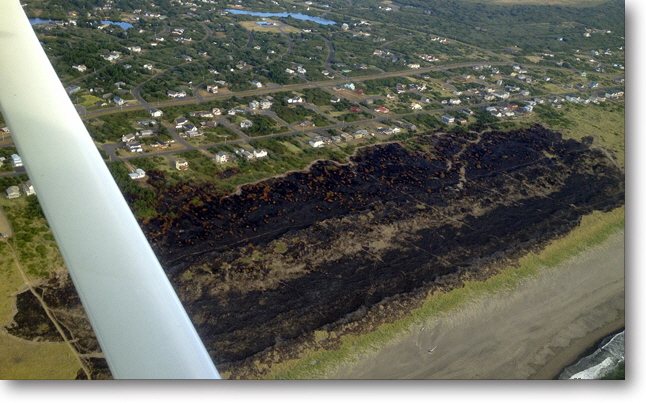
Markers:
{"x": 531, "y": 332}
{"x": 5, "y": 225}
{"x": 49, "y": 313}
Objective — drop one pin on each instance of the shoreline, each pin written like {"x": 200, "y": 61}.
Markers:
{"x": 531, "y": 332}
{"x": 591, "y": 349}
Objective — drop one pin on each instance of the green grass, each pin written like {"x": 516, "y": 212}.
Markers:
{"x": 593, "y": 230}
{"x": 39, "y": 256}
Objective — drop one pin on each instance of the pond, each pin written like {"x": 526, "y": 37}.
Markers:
{"x": 124, "y": 25}
{"x": 36, "y": 21}
{"x": 298, "y": 16}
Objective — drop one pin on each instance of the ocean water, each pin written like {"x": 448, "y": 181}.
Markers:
{"x": 599, "y": 363}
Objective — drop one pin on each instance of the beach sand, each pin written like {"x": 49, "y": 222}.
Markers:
{"x": 531, "y": 332}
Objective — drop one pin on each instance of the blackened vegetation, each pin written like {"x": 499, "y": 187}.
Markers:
{"x": 318, "y": 249}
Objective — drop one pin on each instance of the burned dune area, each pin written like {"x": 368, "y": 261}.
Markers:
{"x": 342, "y": 248}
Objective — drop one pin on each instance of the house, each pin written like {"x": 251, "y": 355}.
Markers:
{"x": 134, "y": 147}
{"x": 176, "y": 94}
{"x": 181, "y": 164}
{"x": 222, "y": 157}
{"x": 209, "y": 123}
{"x": 12, "y": 192}
{"x": 362, "y": 133}
{"x": 128, "y": 137}
{"x": 415, "y": 106}
{"x": 216, "y": 111}
{"x": 265, "y": 104}
{"x": 316, "y": 143}
{"x": 213, "y": 89}
{"x": 381, "y": 109}
{"x": 455, "y": 101}
{"x": 355, "y": 109}
{"x": 257, "y": 84}
{"x": 425, "y": 100}
{"x": 154, "y": 112}
{"x": 259, "y": 153}
{"x": 16, "y": 161}
{"x": 254, "y": 104}
{"x": 414, "y": 65}
{"x": 28, "y": 188}
{"x": 160, "y": 144}
{"x": 137, "y": 174}
{"x": 335, "y": 99}
{"x": 72, "y": 89}
{"x": 448, "y": 119}
{"x": 148, "y": 66}
{"x": 79, "y": 67}
{"x": 346, "y": 136}
{"x": 180, "y": 122}
{"x": 349, "y": 86}
{"x": 295, "y": 100}
{"x": 245, "y": 124}
{"x": 301, "y": 70}
{"x": 135, "y": 49}
{"x": 146, "y": 133}
{"x": 118, "y": 101}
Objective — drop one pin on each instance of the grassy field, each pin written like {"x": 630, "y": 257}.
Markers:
{"x": 593, "y": 230}
{"x": 20, "y": 359}
{"x": 252, "y": 26}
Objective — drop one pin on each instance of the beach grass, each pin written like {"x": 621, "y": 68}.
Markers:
{"x": 593, "y": 230}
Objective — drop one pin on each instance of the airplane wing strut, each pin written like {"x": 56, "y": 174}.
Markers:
{"x": 139, "y": 321}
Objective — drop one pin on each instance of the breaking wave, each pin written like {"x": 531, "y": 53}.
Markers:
{"x": 599, "y": 363}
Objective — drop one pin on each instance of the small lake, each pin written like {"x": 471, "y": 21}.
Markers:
{"x": 298, "y": 16}
{"x": 36, "y": 21}
{"x": 124, "y": 25}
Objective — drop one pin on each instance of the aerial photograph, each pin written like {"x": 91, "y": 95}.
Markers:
{"x": 312, "y": 190}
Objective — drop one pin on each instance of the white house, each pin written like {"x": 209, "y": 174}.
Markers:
{"x": 316, "y": 143}
{"x": 265, "y": 104}
{"x": 118, "y": 101}
{"x": 16, "y": 161}
{"x": 259, "y": 153}
{"x": 154, "y": 112}
{"x": 137, "y": 174}
{"x": 222, "y": 157}
{"x": 258, "y": 84}
{"x": 448, "y": 119}
{"x": 181, "y": 164}
{"x": 12, "y": 192}
{"x": 28, "y": 188}
{"x": 134, "y": 147}
{"x": 245, "y": 124}
{"x": 128, "y": 137}
{"x": 176, "y": 94}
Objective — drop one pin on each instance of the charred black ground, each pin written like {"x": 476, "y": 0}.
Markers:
{"x": 259, "y": 271}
